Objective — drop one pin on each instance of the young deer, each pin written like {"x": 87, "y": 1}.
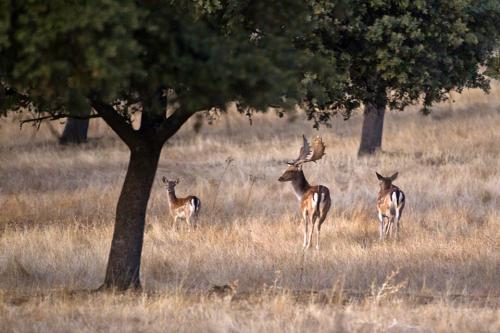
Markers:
{"x": 390, "y": 204}
{"x": 187, "y": 208}
{"x": 314, "y": 200}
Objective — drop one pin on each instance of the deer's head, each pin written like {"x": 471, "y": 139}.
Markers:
{"x": 170, "y": 184}
{"x": 386, "y": 182}
{"x": 290, "y": 173}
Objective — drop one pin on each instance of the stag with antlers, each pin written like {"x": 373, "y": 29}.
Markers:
{"x": 314, "y": 200}
{"x": 186, "y": 208}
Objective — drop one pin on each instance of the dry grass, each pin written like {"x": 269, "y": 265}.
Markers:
{"x": 57, "y": 207}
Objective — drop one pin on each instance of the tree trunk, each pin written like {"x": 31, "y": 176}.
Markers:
{"x": 75, "y": 131}
{"x": 373, "y": 125}
{"x": 124, "y": 263}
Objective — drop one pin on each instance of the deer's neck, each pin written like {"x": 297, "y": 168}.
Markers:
{"x": 172, "y": 199}
{"x": 300, "y": 185}
{"x": 385, "y": 189}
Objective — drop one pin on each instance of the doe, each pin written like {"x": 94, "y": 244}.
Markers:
{"x": 186, "y": 208}
{"x": 390, "y": 204}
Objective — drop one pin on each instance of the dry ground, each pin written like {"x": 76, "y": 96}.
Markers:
{"x": 57, "y": 207}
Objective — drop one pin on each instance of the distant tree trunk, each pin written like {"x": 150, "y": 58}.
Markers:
{"x": 373, "y": 125}
{"x": 75, "y": 131}
{"x": 124, "y": 263}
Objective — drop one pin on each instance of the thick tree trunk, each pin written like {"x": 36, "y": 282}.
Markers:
{"x": 75, "y": 131}
{"x": 124, "y": 263}
{"x": 373, "y": 125}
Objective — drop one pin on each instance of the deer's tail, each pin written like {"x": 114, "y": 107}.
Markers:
{"x": 397, "y": 200}
{"x": 195, "y": 205}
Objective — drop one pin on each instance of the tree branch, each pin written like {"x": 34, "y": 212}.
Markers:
{"x": 57, "y": 116}
{"x": 173, "y": 123}
{"x": 22, "y": 100}
{"x": 119, "y": 124}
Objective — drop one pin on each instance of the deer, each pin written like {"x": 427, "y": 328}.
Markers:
{"x": 390, "y": 204}
{"x": 187, "y": 208}
{"x": 314, "y": 200}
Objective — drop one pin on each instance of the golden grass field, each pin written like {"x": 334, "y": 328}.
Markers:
{"x": 443, "y": 275}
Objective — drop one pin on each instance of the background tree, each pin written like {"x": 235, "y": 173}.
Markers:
{"x": 75, "y": 131}
{"x": 110, "y": 59}
{"x": 403, "y": 52}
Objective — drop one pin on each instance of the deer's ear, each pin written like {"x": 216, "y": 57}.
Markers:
{"x": 394, "y": 176}
{"x": 379, "y": 176}
{"x": 177, "y": 181}
{"x": 164, "y": 179}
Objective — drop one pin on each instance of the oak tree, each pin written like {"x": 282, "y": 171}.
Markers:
{"x": 110, "y": 59}
{"x": 404, "y": 52}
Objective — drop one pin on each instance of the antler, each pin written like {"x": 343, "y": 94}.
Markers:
{"x": 306, "y": 155}
{"x": 318, "y": 149}
{"x": 304, "y": 151}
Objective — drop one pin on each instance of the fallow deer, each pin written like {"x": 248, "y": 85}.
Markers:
{"x": 390, "y": 204}
{"x": 186, "y": 208}
{"x": 314, "y": 200}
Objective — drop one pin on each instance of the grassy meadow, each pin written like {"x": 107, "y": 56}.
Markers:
{"x": 57, "y": 208}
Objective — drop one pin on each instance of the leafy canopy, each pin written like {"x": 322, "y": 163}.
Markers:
{"x": 64, "y": 56}
{"x": 60, "y": 57}
{"x": 398, "y": 51}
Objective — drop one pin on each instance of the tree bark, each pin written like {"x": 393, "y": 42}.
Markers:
{"x": 124, "y": 263}
{"x": 75, "y": 131}
{"x": 373, "y": 125}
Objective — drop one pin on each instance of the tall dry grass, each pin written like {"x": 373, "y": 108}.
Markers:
{"x": 57, "y": 209}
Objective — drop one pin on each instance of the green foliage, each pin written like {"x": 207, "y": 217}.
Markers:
{"x": 328, "y": 56}
{"x": 397, "y": 52}
{"x": 54, "y": 55}
{"x": 493, "y": 66}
